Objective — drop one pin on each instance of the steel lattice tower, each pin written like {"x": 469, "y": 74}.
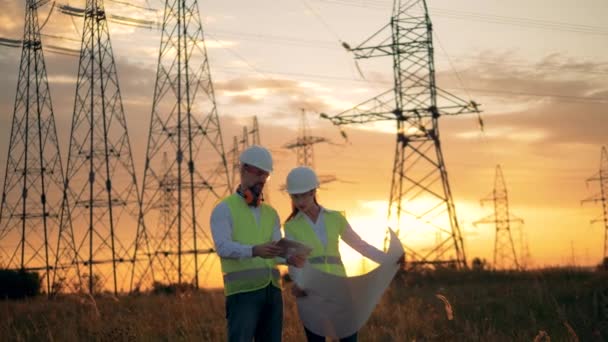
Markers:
{"x": 33, "y": 182}
{"x": 420, "y": 194}
{"x": 305, "y": 151}
{"x": 249, "y": 137}
{"x": 255, "y": 132}
{"x": 602, "y": 178}
{"x": 505, "y": 257}
{"x": 304, "y": 144}
{"x": 238, "y": 145}
{"x": 102, "y": 197}
{"x": 185, "y": 125}
{"x": 233, "y": 155}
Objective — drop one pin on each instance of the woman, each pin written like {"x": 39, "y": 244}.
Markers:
{"x": 321, "y": 229}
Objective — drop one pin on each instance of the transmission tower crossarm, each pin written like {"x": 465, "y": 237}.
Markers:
{"x": 596, "y": 178}
{"x": 454, "y": 105}
{"x": 367, "y": 49}
{"x": 73, "y": 11}
{"x": 515, "y": 219}
{"x": 491, "y": 197}
{"x": 11, "y": 42}
{"x": 379, "y": 108}
{"x": 600, "y": 218}
{"x": 305, "y": 141}
{"x": 487, "y": 220}
{"x": 593, "y": 199}
{"x": 382, "y": 108}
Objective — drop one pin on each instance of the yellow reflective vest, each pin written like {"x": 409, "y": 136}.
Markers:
{"x": 249, "y": 274}
{"x": 324, "y": 258}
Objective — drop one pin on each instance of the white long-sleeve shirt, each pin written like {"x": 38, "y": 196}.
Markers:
{"x": 221, "y": 230}
{"x": 349, "y": 236}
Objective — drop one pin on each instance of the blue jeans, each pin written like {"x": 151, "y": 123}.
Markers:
{"x": 255, "y": 315}
{"x": 312, "y": 337}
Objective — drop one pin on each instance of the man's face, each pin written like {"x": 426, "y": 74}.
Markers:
{"x": 252, "y": 176}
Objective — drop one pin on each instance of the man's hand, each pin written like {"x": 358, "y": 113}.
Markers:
{"x": 297, "y": 291}
{"x": 266, "y": 250}
{"x": 296, "y": 260}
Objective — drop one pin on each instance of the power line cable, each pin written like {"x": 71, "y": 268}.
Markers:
{"x": 323, "y": 22}
{"x": 563, "y": 98}
{"x": 489, "y": 18}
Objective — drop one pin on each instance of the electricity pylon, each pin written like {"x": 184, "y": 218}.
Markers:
{"x": 33, "y": 182}
{"x": 602, "y": 196}
{"x": 102, "y": 197}
{"x": 420, "y": 194}
{"x": 304, "y": 144}
{"x": 185, "y": 125}
{"x": 505, "y": 257}
{"x": 305, "y": 151}
{"x": 233, "y": 156}
{"x": 249, "y": 137}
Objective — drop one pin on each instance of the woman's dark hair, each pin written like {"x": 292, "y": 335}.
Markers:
{"x": 295, "y": 211}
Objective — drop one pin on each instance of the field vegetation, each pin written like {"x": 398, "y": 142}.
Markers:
{"x": 445, "y": 305}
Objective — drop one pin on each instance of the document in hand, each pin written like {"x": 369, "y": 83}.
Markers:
{"x": 290, "y": 247}
{"x": 338, "y": 307}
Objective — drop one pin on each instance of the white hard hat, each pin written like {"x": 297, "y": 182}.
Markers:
{"x": 301, "y": 179}
{"x": 257, "y": 156}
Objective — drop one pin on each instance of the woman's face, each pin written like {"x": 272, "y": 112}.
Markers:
{"x": 304, "y": 201}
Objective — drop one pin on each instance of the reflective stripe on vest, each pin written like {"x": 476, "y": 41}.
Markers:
{"x": 251, "y": 274}
{"x": 326, "y": 257}
{"x": 325, "y": 260}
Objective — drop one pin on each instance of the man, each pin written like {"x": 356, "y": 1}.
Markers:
{"x": 244, "y": 231}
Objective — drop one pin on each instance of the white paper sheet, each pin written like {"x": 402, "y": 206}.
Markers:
{"x": 337, "y": 306}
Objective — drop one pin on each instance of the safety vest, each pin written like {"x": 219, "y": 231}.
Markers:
{"x": 249, "y": 274}
{"x": 324, "y": 258}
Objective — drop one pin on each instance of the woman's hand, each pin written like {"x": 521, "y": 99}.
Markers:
{"x": 296, "y": 291}
{"x": 296, "y": 261}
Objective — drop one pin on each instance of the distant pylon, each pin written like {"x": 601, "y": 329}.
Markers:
{"x": 525, "y": 258}
{"x": 420, "y": 194}
{"x": 602, "y": 196}
{"x": 249, "y": 137}
{"x": 33, "y": 181}
{"x": 102, "y": 197}
{"x": 233, "y": 156}
{"x": 304, "y": 144}
{"x": 185, "y": 125}
{"x": 305, "y": 150}
{"x": 505, "y": 257}
{"x": 255, "y": 132}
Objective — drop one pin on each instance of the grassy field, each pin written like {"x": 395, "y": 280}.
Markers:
{"x": 550, "y": 305}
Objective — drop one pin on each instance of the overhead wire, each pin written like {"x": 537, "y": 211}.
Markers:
{"x": 59, "y": 37}
{"x": 335, "y": 34}
{"x": 563, "y": 98}
{"x": 148, "y": 8}
{"x": 295, "y": 41}
{"x": 557, "y": 96}
{"x": 48, "y": 16}
{"x": 322, "y": 21}
{"x": 455, "y": 71}
{"x": 485, "y": 17}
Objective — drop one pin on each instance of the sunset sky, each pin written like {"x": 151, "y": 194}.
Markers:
{"x": 539, "y": 69}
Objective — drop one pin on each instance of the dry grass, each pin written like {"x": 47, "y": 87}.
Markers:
{"x": 443, "y": 306}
